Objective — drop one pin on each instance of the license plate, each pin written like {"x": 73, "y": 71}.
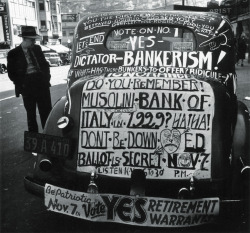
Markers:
{"x": 47, "y": 144}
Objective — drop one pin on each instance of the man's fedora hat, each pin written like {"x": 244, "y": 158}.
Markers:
{"x": 29, "y": 32}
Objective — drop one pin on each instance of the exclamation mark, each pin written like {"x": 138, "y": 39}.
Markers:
{"x": 208, "y": 121}
{"x": 222, "y": 55}
{"x": 202, "y": 88}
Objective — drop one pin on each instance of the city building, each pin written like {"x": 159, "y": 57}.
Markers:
{"x": 4, "y": 27}
{"x": 44, "y": 15}
{"x": 21, "y": 13}
{"x": 69, "y": 22}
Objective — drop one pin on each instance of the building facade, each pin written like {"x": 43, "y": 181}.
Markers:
{"x": 21, "y": 13}
{"x": 44, "y": 15}
{"x": 69, "y": 22}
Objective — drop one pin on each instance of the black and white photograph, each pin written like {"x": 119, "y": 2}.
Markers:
{"x": 124, "y": 116}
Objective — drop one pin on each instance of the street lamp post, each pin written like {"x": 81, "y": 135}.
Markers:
{"x": 69, "y": 41}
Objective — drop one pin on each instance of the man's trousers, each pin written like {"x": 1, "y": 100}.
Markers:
{"x": 37, "y": 97}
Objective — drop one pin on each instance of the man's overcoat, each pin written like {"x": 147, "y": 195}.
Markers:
{"x": 17, "y": 66}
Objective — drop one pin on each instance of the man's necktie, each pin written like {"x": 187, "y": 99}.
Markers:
{"x": 33, "y": 58}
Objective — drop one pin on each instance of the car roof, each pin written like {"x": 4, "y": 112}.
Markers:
{"x": 51, "y": 53}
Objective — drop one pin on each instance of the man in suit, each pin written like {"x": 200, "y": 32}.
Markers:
{"x": 29, "y": 71}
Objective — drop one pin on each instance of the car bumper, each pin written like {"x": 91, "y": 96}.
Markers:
{"x": 33, "y": 187}
{"x": 147, "y": 211}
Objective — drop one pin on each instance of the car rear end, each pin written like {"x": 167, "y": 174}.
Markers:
{"x": 53, "y": 58}
{"x": 144, "y": 135}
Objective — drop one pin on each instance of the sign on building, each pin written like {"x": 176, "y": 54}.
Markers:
{"x": 69, "y": 17}
{"x": 4, "y": 23}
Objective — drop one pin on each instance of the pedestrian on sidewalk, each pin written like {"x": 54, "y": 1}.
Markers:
{"x": 241, "y": 53}
{"x": 29, "y": 71}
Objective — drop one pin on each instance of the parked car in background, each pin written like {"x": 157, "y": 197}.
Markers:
{"x": 150, "y": 132}
{"x": 3, "y": 68}
{"x": 65, "y": 58}
{"x": 53, "y": 58}
{"x": 3, "y": 61}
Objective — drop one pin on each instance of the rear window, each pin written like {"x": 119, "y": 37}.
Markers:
{"x": 151, "y": 38}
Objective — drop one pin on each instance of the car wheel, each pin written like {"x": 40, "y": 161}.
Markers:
{"x": 59, "y": 63}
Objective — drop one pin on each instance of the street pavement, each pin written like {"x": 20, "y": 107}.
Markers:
{"x": 21, "y": 211}
{"x": 58, "y": 76}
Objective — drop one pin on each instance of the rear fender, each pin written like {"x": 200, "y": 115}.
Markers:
{"x": 241, "y": 134}
{"x": 55, "y": 114}
{"x": 51, "y": 129}
{"x": 240, "y": 151}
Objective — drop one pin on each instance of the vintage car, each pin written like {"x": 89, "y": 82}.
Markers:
{"x": 64, "y": 58}
{"x": 150, "y": 132}
{"x": 3, "y": 60}
{"x": 53, "y": 58}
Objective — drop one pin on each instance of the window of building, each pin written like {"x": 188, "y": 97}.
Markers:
{"x": 71, "y": 33}
{"x": 53, "y": 6}
{"x": 43, "y": 24}
{"x": 41, "y": 5}
{"x": 30, "y": 11}
{"x": 64, "y": 33}
{"x": 16, "y": 10}
{"x": 22, "y": 10}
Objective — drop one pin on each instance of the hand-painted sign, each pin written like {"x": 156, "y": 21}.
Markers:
{"x": 158, "y": 124}
{"x": 174, "y": 43}
{"x": 132, "y": 210}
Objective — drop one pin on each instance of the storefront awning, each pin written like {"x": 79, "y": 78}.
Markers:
{"x": 44, "y": 48}
{"x": 59, "y": 48}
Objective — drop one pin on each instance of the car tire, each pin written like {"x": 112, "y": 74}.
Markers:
{"x": 59, "y": 63}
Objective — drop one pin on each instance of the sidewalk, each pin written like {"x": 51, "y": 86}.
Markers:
{"x": 58, "y": 76}
{"x": 243, "y": 83}
{"x": 5, "y": 83}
